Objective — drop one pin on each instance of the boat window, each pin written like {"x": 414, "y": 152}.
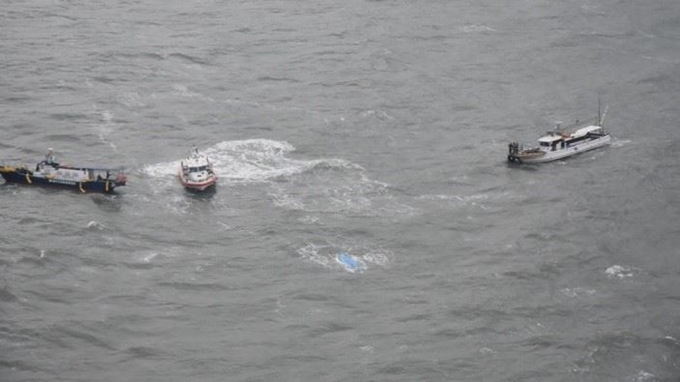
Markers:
{"x": 545, "y": 144}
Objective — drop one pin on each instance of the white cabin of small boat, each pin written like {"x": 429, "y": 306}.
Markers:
{"x": 548, "y": 140}
{"x": 196, "y": 171}
{"x": 196, "y": 164}
{"x": 554, "y": 138}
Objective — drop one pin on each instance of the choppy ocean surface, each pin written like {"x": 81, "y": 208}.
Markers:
{"x": 377, "y": 129}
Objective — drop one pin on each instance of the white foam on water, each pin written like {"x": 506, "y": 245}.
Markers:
{"x": 618, "y": 271}
{"x": 161, "y": 170}
{"x": 328, "y": 256}
{"x": 95, "y": 225}
{"x": 440, "y": 197}
{"x": 256, "y": 160}
{"x": 149, "y": 257}
{"x": 107, "y": 116}
{"x": 132, "y": 100}
{"x": 178, "y": 204}
{"x": 377, "y": 114}
{"x": 377, "y": 257}
{"x": 481, "y": 200}
{"x": 367, "y": 349}
{"x": 252, "y": 160}
{"x": 644, "y": 376}
{"x": 309, "y": 220}
{"x": 343, "y": 191}
{"x": 620, "y": 142}
{"x": 310, "y": 185}
{"x": 486, "y": 351}
{"x": 183, "y": 91}
{"x": 287, "y": 201}
{"x": 577, "y": 292}
{"x": 311, "y": 253}
{"x": 106, "y": 128}
{"x": 476, "y": 28}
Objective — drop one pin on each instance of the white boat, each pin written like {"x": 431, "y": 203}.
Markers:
{"x": 196, "y": 172}
{"x": 562, "y": 142}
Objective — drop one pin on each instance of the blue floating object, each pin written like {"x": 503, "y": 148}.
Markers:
{"x": 350, "y": 262}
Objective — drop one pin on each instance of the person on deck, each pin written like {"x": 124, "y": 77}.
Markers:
{"x": 49, "y": 157}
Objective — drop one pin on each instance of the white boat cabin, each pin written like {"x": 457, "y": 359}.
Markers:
{"x": 555, "y": 140}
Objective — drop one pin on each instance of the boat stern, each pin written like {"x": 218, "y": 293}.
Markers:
{"x": 513, "y": 152}
{"x": 14, "y": 174}
{"x": 121, "y": 179}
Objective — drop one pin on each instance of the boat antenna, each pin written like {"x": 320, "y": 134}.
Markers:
{"x": 604, "y": 115}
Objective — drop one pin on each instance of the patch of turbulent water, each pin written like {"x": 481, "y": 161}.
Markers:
{"x": 330, "y": 256}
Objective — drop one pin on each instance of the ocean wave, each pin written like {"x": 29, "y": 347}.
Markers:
{"x": 481, "y": 200}
{"x": 577, "y": 292}
{"x": 193, "y": 286}
{"x": 277, "y": 79}
{"x": 335, "y": 164}
{"x": 644, "y": 376}
{"x": 108, "y": 203}
{"x": 187, "y": 58}
{"x": 620, "y": 142}
{"x": 106, "y": 128}
{"x": 341, "y": 195}
{"x": 183, "y": 91}
{"x": 93, "y": 224}
{"x": 476, "y": 28}
{"x": 6, "y": 295}
{"x": 67, "y": 138}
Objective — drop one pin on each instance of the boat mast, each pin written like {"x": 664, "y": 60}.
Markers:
{"x": 600, "y": 117}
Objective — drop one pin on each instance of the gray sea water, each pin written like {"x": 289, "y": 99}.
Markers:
{"x": 375, "y": 128}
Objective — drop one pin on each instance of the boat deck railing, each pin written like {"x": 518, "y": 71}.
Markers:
{"x": 571, "y": 128}
{"x": 518, "y": 147}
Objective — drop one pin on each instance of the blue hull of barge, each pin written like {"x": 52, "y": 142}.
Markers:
{"x": 99, "y": 186}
